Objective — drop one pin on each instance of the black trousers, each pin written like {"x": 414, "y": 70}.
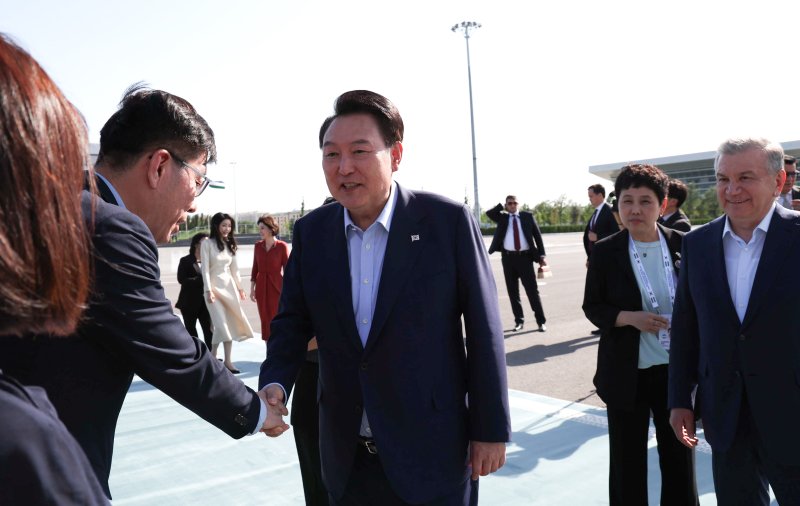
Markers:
{"x": 305, "y": 423}
{"x": 518, "y": 268}
{"x": 190, "y": 322}
{"x": 368, "y": 486}
{"x": 628, "y": 435}
{"x": 743, "y": 473}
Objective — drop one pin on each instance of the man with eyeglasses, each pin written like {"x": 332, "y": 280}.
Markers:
{"x": 150, "y": 169}
{"x": 790, "y": 194}
{"x": 520, "y": 244}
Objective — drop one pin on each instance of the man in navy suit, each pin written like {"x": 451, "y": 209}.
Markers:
{"x": 732, "y": 334}
{"x": 519, "y": 241}
{"x": 383, "y": 279}
{"x": 151, "y": 167}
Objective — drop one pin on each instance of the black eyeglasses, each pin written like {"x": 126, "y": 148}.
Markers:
{"x": 201, "y": 181}
{"x": 791, "y": 174}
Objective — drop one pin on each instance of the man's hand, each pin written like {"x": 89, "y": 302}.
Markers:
{"x": 542, "y": 261}
{"x": 486, "y": 458}
{"x": 682, "y": 421}
{"x": 274, "y": 425}
{"x": 591, "y": 236}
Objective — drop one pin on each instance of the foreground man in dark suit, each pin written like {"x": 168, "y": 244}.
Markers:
{"x": 383, "y": 279}
{"x": 514, "y": 239}
{"x": 151, "y": 166}
{"x": 732, "y": 332}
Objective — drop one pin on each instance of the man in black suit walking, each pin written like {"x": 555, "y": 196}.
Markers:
{"x": 518, "y": 239}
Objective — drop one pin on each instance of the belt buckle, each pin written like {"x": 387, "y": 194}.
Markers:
{"x": 370, "y": 445}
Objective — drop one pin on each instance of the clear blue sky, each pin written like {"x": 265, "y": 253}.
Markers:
{"x": 558, "y": 86}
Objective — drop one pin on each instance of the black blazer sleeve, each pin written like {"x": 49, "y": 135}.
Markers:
{"x": 131, "y": 318}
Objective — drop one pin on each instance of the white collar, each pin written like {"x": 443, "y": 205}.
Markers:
{"x": 385, "y": 218}
{"x": 763, "y": 225}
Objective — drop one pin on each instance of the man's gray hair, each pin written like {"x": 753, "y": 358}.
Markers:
{"x": 773, "y": 150}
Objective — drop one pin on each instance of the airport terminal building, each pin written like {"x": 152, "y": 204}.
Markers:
{"x": 696, "y": 169}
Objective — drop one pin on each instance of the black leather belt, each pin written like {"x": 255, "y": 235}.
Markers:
{"x": 515, "y": 253}
{"x": 369, "y": 444}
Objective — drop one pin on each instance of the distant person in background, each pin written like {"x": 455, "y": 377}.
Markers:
{"x": 789, "y": 192}
{"x": 612, "y": 200}
{"x": 630, "y": 288}
{"x": 266, "y": 279}
{"x": 190, "y": 299}
{"x": 520, "y": 244}
{"x": 673, "y": 217}
{"x": 223, "y": 287}
{"x": 45, "y": 276}
{"x": 602, "y": 223}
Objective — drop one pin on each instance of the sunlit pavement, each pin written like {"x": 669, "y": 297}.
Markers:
{"x": 164, "y": 454}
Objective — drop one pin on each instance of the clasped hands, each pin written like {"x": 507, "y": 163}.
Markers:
{"x": 272, "y": 396}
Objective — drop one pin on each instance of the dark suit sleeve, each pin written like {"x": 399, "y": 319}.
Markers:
{"x": 187, "y": 275}
{"x": 291, "y": 329}
{"x": 684, "y": 350}
{"x": 488, "y": 388}
{"x": 599, "y": 280}
{"x": 607, "y": 224}
{"x": 494, "y": 213}
{"x": 132, "y": 318}
{"x": 537, "y": 237}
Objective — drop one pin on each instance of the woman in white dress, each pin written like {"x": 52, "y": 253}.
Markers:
{"x": 223, "y": 287}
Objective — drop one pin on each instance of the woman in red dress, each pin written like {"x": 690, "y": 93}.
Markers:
{"x": 269, "y": 259}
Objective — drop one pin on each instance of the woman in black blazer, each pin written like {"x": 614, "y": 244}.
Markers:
{"x": 630, "y": 288}
{"x": 190, "y": 299}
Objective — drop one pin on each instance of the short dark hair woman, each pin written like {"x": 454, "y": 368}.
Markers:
{"x": 630, "y": 288}
{"x": 190, "y": 299}
{"x": 223, "y": 287}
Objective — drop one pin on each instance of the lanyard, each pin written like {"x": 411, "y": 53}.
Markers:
{"x": 651, "y": 296}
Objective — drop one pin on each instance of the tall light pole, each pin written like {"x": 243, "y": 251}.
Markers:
{"x": 465, "y": 27}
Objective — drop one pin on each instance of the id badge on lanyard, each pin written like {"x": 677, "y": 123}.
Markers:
{"x": 663, "y": 334}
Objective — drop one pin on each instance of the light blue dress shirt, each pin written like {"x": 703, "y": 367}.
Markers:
{"x": 365, "y": 250}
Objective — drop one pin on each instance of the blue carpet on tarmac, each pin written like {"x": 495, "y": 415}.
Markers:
{"x": 164, "y": 454}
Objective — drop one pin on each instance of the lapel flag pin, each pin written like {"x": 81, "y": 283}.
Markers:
{"x": 414, "y": 238}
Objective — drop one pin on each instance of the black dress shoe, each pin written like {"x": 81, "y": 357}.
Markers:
{"x": 542, "y": 328}
{"x": 234, "y": 370}
{"x": 518, "y": 326}
{"x": 597, "y": 332}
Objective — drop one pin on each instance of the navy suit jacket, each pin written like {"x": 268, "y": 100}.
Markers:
{"x": 413, "y": 376}
{"x": 530, "y": 230}
{"x": 604, "y": 226}
{"x": 725, "y": 358}
{"x": 40, "y": 462}
{"x": 128, "y": 328}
